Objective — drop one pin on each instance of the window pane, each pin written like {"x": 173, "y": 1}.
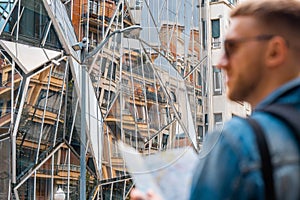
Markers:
{"x": 218, "y": 121}
{"x": 215, "y": 23}
{"x": 218, "y": 117}
{"x": 199, "y": 80}
{"x": 204, "y": 34}
{"x": 217, "y": 81}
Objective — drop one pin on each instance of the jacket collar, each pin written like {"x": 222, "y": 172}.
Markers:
{"x": 284, "y": 94}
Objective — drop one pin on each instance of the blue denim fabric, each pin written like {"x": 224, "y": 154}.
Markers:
{"x": 229, "y": 164}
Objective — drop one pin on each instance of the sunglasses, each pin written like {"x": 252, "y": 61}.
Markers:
{"x": 230, "y": 45}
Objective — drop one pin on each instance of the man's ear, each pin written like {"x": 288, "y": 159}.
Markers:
{"x": 276, "y": 52}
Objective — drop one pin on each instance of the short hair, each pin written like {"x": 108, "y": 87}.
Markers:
{"x": 281, "y": 16}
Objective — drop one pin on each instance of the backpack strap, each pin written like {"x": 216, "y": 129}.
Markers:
{"x": 288, "y": 114}
{"x": 266, "y": 164}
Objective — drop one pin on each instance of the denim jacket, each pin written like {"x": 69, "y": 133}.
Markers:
{"x": 229, "y": 164}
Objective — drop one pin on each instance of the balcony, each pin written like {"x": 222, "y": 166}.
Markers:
{"x": 215, "y": 43}
{"x": 4, "y": 119}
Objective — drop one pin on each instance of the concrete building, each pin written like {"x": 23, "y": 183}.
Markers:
{"x": 220, "y": 108}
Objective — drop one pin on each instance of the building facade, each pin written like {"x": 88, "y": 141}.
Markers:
{"x": 63, "y": 112}
{"x": 221, "y": 109}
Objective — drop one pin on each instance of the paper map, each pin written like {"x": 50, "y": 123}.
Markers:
{"x": 168, "y": 173}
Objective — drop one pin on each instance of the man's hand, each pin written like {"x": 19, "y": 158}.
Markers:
{"x": 136, "y": 194}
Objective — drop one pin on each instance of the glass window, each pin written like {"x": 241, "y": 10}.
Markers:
{"x": 0, "y": 78}
{"x": 1, "y": 107}
{"x": 8, "y": 106}
{"x": 34, "y": 20}
{"x": 215, "y": 24}
{"x": 199, "y": 79}
{"x": 34, "y": 23}
{"x": 138, "y": 4}
{"x": 232, "y": 1}
{"x": 91, "y": 5}
{"x": 217, "y": 81}
{"x": 95, "y": 7}
{"x": 204, "y": 42}
{"x": 52, "y": 40}
{"x": 218, "y": 121}
{"x": 140, "y": 113}
{"x": 112, "y": 71}
{"x": 9, "y": 76}
{"x": 200, "y": 102}
{"x": 105, "y": 98}
{"x": 103, "y": 64}
{"x": 202, "y": 3}
{"x": 200, "y": 133}
{"x": 206, "y": 122}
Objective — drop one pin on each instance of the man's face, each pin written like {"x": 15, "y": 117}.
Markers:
{"x": 243, "y": 60}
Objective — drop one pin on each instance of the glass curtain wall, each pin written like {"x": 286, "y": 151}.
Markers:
{"x": 149, "y": 83}
{"x": 144, "y": 87}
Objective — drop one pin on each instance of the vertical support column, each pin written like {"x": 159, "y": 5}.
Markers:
{"x": 209, "y": 78}
{"x": 13, "y": 138}
{"x": 83, "y": 128}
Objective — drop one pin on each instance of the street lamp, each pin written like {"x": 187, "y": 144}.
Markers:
{"x": 59, "y": 195}
{"x": 82, "y": 47}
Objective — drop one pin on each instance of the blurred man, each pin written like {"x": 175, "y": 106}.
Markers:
{"x": 262, "y": 65}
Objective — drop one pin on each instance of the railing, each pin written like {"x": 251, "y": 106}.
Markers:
{"x": 4, "y": 118}
{"x": 58, "y": 75}
{"x": 50, "y": 109}
{"x": 99, "y": 9}
{"x": 46, "y": 169}
{"x": 216, "y": 43}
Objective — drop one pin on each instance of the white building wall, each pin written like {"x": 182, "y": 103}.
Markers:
{"x": 220, "y": 104}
